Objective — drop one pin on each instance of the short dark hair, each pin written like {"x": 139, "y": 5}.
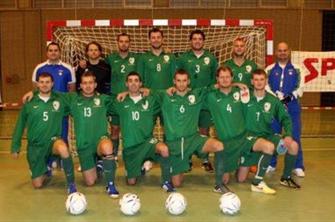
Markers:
{"x": 87, "y": 74}
{"x": 93, "y": 43}
{"x": 122, "y": 34}
{"x": 181, "y": 72}
{"x": 133, "y": 73}
{"x": 45, "y": 75}
{"x": 224, "y": 69}
{"x": 197, "y": 31}
{"x": 259, "y": 72}
{"x": 53, "y": 43}
{"x": 154, "y": 29}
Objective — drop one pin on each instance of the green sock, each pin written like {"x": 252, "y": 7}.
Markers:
{"x": 289, "y": 165}
{"x": 262, "y": 165}
{"x": 68, "y": 169}
{"x": 165, "y": 169}
{"x": 109, "y": 168}
{"x": 218, "y": 164}
{"x": 115, "y": 146}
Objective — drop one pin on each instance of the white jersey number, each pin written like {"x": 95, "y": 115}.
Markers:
{"x": 45, "y": 116}
{"x": 229, "y": 109}
{"x": 158, "y": 67}
{"x": 123, "y": 69}
{"x": 197, "y": 68}
{"x": 87, "y": 112}
{"x": 257, "y": 116}
{"x": 135, "y": 115}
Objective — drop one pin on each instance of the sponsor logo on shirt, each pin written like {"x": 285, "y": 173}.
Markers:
{"x": 131, "y": 60}
{"x": 236, "y": 96}
{"x": 207, "y": 60}
{"x": 56, "y": 105}
{"x": 60, "y": 72}
{"x": 267, "y": 106}
{"x": 248, "y": 68}
{"x": 166, "y": 58}
{"x": 35, "y": 107}
{"x": 97, "y": 101}
{"x": 145, "y": 105}
{"x": 191, "y": 99}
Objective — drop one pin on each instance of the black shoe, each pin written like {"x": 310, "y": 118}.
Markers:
{"x": 208, "y": 167}
{"x": 221, "y": 189}
{"x": 289, "y": 182}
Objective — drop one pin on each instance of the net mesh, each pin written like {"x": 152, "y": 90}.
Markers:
{"x": 219, "y": 40}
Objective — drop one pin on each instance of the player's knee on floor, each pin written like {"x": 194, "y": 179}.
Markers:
{"x": 37, "y": 183}
{"x": 90, "y": 182}
{"x": 177, "y": 180}
{"x": 242, "y": 174}
{"x": 226, "y": 178}
{"x": 131, "y": 181}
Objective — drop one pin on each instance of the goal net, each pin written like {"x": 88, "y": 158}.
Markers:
{"x": 74, "y": 35}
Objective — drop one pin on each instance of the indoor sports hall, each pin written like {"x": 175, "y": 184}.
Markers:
{"x": 307, "y": 26}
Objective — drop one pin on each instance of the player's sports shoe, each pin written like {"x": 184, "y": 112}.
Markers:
{"x": 299, "y": 172}
{"x": 289, "y": 182}
{"x": 262, "y": 188}
{"x": 168, "y": 187}
{"x": 207, "y": 167}
{"x": 270, "y": 169}
{"x": 100, "y": 168}
{"x": 112, "y": 191}
{"x": 221, "y": 189}
{"x": 71, "y": 188}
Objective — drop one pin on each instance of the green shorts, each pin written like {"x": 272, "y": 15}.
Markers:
{"x": 233, "y": 150}
{"x": 88, "y": 154}
{"x": 135, "y": 156}
{"x": 249, "y": 157}
{"x": 182, "y": 149}
{"x": 37, "y": 157}
{"x": 205, "y": 119}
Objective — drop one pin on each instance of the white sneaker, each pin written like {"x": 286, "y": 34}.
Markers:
{"x": 262, "y": 188}
{"x": 299, "y": 172}
{"x": 270, "y": 169}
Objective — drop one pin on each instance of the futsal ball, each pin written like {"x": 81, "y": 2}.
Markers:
{"x": 130, "y": 204}
{"x": 175, "y": 203}
{"x": 230, "y": 203}
{"x": 76, "y": 203}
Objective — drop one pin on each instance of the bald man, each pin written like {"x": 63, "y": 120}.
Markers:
{"x": 286, "y": 81}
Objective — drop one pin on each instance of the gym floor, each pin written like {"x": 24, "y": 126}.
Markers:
{"x": 314, "y": 202}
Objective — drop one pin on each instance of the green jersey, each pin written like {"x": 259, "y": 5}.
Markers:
{"x": 242, "y": 74}
{"x": 260, "y": 115}
{"x": 202, "y": 70}
{"x": 136, "y": 119}
{"x": 227, "y": 112}
{"x": 120, "y": 68}
{"x": 89, "y": 116}
{"x": 157, "y": 71}
{"x": 181, "y": 113}
{"x": 43, "y": 121}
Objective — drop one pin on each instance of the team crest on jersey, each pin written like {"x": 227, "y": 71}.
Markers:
{"x": 267, "y": 107}
{"x": 191, "y": 98}
{"x": 131, "y": 60}
{"x": 96, "y": 101}
{"x": 56, "y": 105}
{"x": 166, "y": 58}
{"x": 207, "y": 60}
{"x": 145, "y": 105}
{"x": 236, "y": 96}
{"x": 248, "y": 68}
{"x": 290, "y": 72}
{"x": 60, "y": 72}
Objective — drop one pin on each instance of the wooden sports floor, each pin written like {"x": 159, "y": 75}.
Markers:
{"x": 314, "y": 202}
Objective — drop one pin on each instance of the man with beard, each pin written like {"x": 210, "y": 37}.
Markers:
{"x": 201, "y": 66}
